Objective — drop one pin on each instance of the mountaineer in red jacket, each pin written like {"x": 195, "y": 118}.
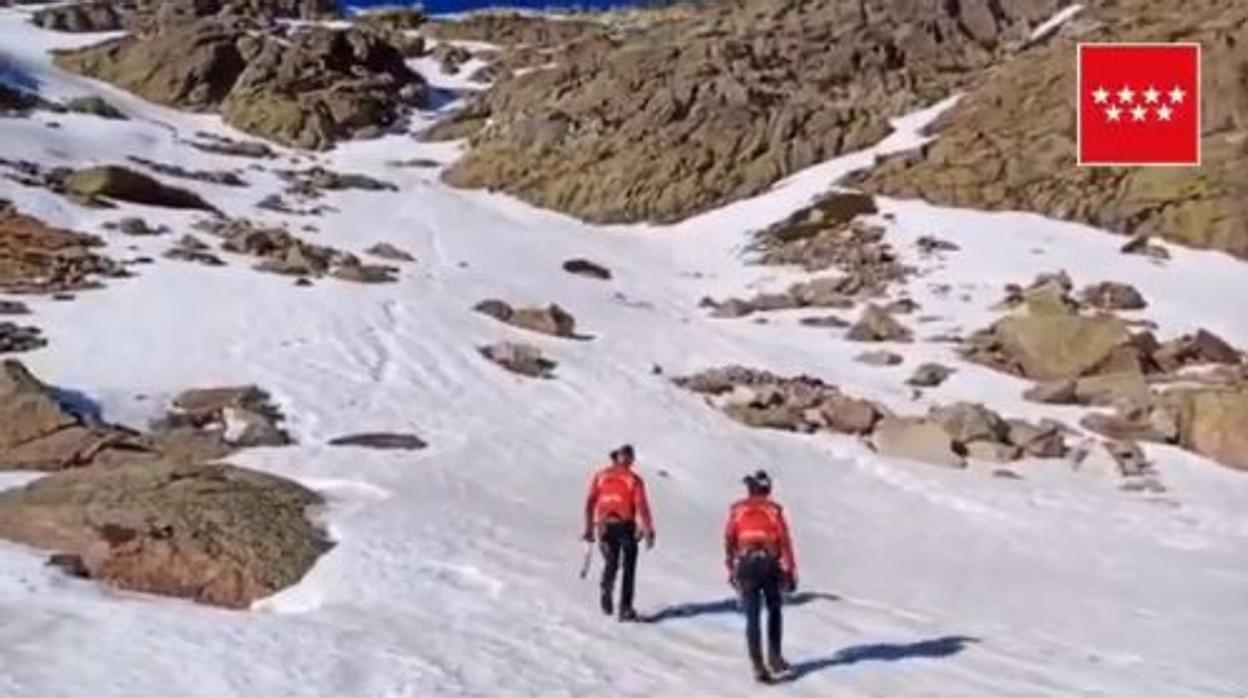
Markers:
{"x": 759, "y": 555}
{"x": 618, "y": 513}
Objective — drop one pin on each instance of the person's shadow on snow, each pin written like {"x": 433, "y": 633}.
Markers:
{"x": 729, "y": 605}
{"x": 936, "y": 648}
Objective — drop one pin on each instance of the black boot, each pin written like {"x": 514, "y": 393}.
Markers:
{"x": 761, "y": 674}
{"x": 628, "y": 615}
{"x": 777, "y": 664}
{"x": 608, "y": 606}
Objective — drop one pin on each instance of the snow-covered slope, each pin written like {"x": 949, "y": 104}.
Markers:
{"x": 455, "y": 569}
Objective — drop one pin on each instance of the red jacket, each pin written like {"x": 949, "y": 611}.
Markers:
{"x": 617, "y": 492}
{"x": 757, "y": 521}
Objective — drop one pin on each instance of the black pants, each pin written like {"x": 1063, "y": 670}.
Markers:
{"x": 619, "y": 539}
{"x": 759, "y": 578}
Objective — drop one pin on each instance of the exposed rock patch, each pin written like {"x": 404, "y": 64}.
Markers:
{"x": 37, "y": 258}
{"x": 804, "y": 404}
{"x": 281, "y": 252}
{"x": 930, "y": 375}
{"x": 552, "y": 320}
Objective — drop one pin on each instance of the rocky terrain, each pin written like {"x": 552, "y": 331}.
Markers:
{"x": 691, "y": 114}
{"x": 1010, "y": 144}
{"x": 961, "y": 409}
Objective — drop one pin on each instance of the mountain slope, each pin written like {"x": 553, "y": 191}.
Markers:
{"x": 455, "y": 569}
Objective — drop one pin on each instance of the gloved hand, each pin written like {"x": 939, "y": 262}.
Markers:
{"x": 649, "y": 540}
{"x": 588, "y": 535}
{"x": 789, "y": 583}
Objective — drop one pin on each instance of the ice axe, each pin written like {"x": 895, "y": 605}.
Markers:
{"x": 589, "y": 559}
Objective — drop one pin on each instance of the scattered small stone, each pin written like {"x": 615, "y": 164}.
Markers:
{"x": 381, "y": 440}
{"x": 1006, "y": 474}
{"x": 16, "y": 338}
{"x": 930, "y": 375}
{"x": 824, "y": 321}
{"x": 13, "y": 308}
{"x": 386, "y": 250}
{"x": 137, "y": 227}
{"x": 1129, "y": 457}
{"x": 876, "y": 325}
{"x": 97, "y": 106}
{"x": 586, "y": 268}
{"x": 224, "y": 178}
{"x": 220, "y": 145}
{"x": 414, "y": 162}
{"x": 63, "y": 297}
{"x": 880, "y": 357}
{"x": 1141, "y": 245}
{"x": 929, "y": 245}
{"x": 1111, "y": 295}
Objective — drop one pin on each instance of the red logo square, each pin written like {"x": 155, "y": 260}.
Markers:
{"x": 1139, "y": 104}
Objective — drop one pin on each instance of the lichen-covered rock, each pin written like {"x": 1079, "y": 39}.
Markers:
{"x": 522, "y": 359}
{"x": 877, "y": 325}
{"x": 552, "y": 320}
{"x": 215, "y": 534}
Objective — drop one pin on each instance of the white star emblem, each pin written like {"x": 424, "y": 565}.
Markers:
{"x": 1100, "y": 95}
{"x": 1151, "y": 95}
{"x": 1164, "y": 112}
{"x": 1125, "y": 95}
{"x": 1177, "y": 94}
{"x": 1138, "y": 113}
{"x": 1113, "y": 113}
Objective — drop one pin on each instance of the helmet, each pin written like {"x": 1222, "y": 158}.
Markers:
{"x": 758, "y": 483}
{"x": 624, "y": 452}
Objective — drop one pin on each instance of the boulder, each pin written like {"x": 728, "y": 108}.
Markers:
{"x": 1112, "y": 388}
{"x": 552, "y": 320}
{"x": 122, "y": 184}
{"x": 918, "y": 439}
{"x": 1053, "y": 347}
{"x": 1129, "y": 457}
{"x": 848, "y": 415}
{"x": 215, "y": 534}
{"x": 520, "y": 358}
{"x": 876, "y": 325}
{"x": 1214, "y": 423}
{"x": 239, "y": 416}
{"x": 381, "y": 440}
{"x": 1043, "y": 441}
{"x": 967, "y": 422}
